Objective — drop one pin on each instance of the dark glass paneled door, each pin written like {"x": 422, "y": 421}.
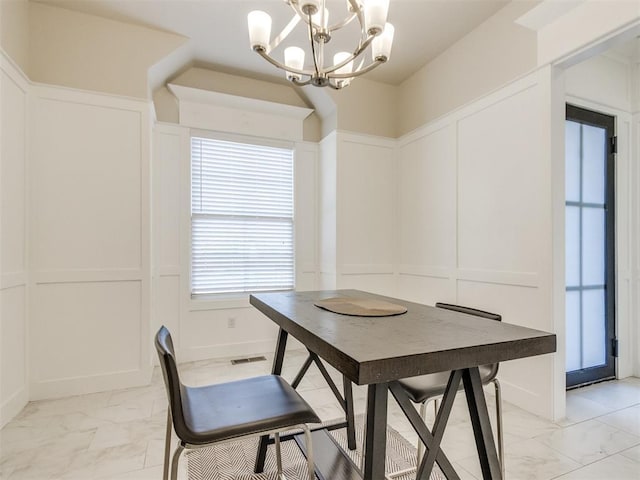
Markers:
{"x": 590, "y": 238}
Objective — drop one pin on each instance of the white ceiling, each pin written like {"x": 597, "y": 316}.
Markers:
{"x": 217, "y": 29}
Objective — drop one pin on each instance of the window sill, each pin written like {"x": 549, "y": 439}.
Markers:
{"x": 219, "y": 302}
{"x": 223, "y": 301}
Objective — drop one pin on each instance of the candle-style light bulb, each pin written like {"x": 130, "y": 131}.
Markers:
{"x": 347, "y": 68}
{"x": 294, "y": 58}
{"x": 381, "y": 45}
{"x": 375, "y": 15}
{"x": 259, "y": 30}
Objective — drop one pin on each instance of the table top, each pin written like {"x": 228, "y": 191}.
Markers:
{"x": 380, "y": 349}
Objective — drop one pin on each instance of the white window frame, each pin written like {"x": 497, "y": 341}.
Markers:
{"x": 232, "y": 299}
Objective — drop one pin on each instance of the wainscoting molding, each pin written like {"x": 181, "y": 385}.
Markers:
{"x": 90, "y": 242}
{"x": 14, "y": 276}
{"x": 463, "y": 177}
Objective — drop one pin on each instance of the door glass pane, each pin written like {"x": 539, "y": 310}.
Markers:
{"x": 572, "y": 306}
{"x": 593, "y": 328}
{"x": 593, "y": 164}
{"x": 593, "y": 253}
{"x": 572, "y": 161}
{"x": 572, "y": 239}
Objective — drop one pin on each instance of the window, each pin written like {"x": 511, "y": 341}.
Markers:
{"x": 241, "y": 217}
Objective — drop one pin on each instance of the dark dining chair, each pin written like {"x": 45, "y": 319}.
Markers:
{"x": 424, "y": 388}
{"x": 202, "y": 416}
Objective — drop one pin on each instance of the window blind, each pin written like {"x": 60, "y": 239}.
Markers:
{"x": 241, "y": 217}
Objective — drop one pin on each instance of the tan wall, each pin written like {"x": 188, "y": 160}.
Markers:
{"x": 14, "y": 31}
{"x": 92, "y": 53}
{"x": 312, "y": 128}
{"x": 493, "y": 54}
{"x": 367, "y": 107}
{"x": 83, "y": 51}
{"x": 364, "y": 107}
{"x": 166, "y": 106}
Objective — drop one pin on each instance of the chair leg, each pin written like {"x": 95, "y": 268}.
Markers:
{"x": 174, "y": 461}
{"x": 423, "y": 415}
{"x": 310, "y": 463}
{"x": 364, "y": 446}
{"x": 280, "y": 476}
{"x": 167, "y": 447}
{"x": 496, "y": 384}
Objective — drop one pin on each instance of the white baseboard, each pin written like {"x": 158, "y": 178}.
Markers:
{"x": 13, "y": 406}
{"x": 231, "y": 350}
{"x": 526, "y": 399}
{"x": 97, "y": 383}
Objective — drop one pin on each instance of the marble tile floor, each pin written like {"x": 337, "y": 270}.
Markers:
{"x": 119, "y": 434}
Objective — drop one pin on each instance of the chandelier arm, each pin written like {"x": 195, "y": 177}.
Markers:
{"x": 336, "y": 26}
{"x": 299, "y": 83}
{"x": 313, "y": 48}
{"x": 346, "y": 21}
{"x": 354, "y": 6}
{"x": 360, "y": 15}
{"x": 285, "y": 32}
{"x": 276, "y": 63}
{"x": 357, "y": 73}
{"x": 361, "y": 47}
{"x": 300, "y": 13}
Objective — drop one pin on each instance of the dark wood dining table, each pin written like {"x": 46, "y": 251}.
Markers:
{"x": 378, "y": 351}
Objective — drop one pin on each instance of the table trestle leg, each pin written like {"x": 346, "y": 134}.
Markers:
{"x": 328, "y": 379}
{"x": 349, "y": 411}
{"x": 421, "y": 429}
{"x": 346, "y": 401}
{"x": 491, "y": 468}
{"x": 424, "y": 470}
{"x": 376, "y": 431}
{"x": 303, "y": 371}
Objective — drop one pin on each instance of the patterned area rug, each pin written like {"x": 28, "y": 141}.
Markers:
{"x": 234, "y": 460}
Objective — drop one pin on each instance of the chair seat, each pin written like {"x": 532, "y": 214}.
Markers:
{"x": 424, "y": 387}
{"x": 221, "y": 412}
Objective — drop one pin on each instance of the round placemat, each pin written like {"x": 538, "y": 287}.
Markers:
{"x": 360, "y": 307}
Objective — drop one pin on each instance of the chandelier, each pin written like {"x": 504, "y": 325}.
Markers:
{"x": 374, "y": 32}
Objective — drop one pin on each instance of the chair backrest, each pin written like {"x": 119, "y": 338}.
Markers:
{"x": 493, "y": 367}
{"x": 166, "y": 355}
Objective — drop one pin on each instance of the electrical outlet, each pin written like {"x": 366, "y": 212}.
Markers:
{"x": 231, "y": 322}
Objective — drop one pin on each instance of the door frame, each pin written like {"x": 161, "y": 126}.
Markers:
{"x": 628, "y": 206}
{"x": 608, "y": 121}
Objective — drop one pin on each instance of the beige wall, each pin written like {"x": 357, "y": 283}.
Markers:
{"x": 14, "y": 31}
{"x": 166, "y": 106}
{"x": 493, "y": 54}
{"x": 14, "y": 225}
{"x": 367, "y": 107}
{"x": 92, "y": 53}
